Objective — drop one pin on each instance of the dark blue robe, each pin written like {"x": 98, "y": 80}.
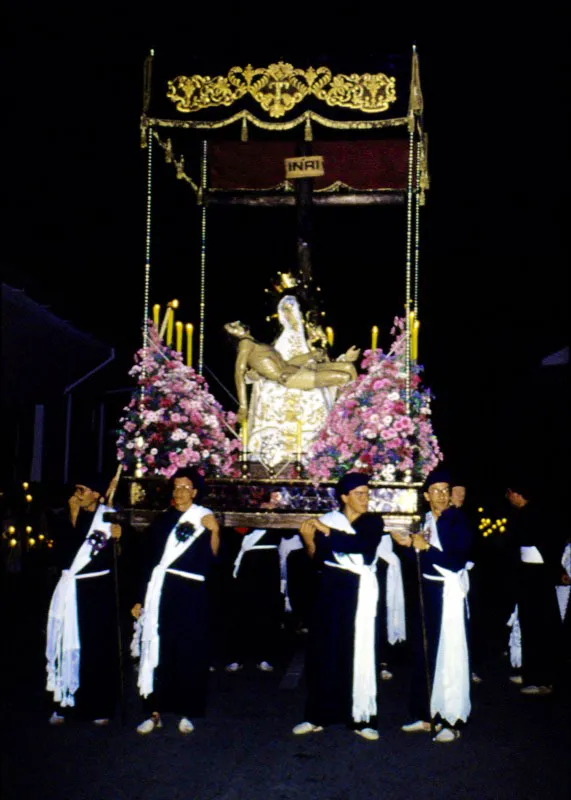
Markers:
{"x": 181, "y": 677}
{"x": 329, "y": 661}
{"x": 456, "y": 538}
{"x": 97, "y": 694}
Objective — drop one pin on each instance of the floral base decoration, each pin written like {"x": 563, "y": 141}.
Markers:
{"x": 173, "y": 420}
{"x": 368, "y": 428}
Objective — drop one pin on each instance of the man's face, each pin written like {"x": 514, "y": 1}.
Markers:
{"x": 438, "y": 495}
{"x": 183, "y": 493}
{"x": 86, "y": 496}
{"x": 516, "y": 499}
{"x": 357, "y": 500}
{"x": 458, "y": 496}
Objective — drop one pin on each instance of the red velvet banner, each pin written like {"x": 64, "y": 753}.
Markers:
{"x": 361, "y": 165}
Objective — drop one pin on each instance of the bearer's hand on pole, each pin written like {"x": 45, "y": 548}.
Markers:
{"x": 116, "y": 532}
{"x": 322, "y": 528}
{"x": 419, "y": 542}
{"x": 136, "y": 610}
{"x": 404, "y": 539}
{"x": 73, "y": 504}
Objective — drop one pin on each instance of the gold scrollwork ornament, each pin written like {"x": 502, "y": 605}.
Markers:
{"x": 279, "y": 87}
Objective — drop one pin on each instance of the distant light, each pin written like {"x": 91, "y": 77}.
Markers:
{"x": 29, "y": 498}
{"x": 28, "y": 528}
{"x": 31, "y": 542}
{"x": 480, "y": 511}
{"x": 502, "y": 529}
{"x": 41, "y": 537}
{"x": 11, "y": 529}
{"x": 13, "y": 542}
{"x": 25, "y": 485}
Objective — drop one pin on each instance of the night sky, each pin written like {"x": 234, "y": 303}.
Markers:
{"x": 494, "y": 252}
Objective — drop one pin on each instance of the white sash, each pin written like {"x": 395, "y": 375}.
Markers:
{"x": 250, "y": 542}
{"x": 286, "y": 547}
{"x": 451, "y": 686}
{"x": 63, "y": 646}
{"x": 149, "y": 628}
{"x": 364, "y": 666}
{"x": 530, "y": 555}
{"x": 431, "y": 531}
{"x": 564, "y": 591}
{"x": 515, "y": 639}
{"x": 396, "y": 622}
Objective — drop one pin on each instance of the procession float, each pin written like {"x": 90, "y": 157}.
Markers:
{"x": 302, "y": 414}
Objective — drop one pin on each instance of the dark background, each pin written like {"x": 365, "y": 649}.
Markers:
{"x": 494, "y": 251}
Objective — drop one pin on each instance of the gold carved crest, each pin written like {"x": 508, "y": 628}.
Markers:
{"x": 280, "y": 87}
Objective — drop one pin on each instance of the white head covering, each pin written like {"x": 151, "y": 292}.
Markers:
{"x": 291, "y": 341}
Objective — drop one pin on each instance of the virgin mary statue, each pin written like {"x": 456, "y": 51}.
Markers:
{"x": 283, "y": 422}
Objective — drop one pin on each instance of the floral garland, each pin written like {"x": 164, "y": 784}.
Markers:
{"x": 368, "y": 428}
{"x": 173, "y": 421}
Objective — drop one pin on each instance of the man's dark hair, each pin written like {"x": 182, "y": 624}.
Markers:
{"x": 193, "y": 475}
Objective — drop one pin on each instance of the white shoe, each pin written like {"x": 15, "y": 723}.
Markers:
{"x": 101, "y": 722}
{"x": 386, "y": 675}
{"x": 233, "y": 667}
{"x": 56, "y": 719}
{"x": 306, "y": 727}
{"x": 149, "y": 725}
{"x": 263, "y": 666}
{"x": 416, "y": 727}
{"x": 537, "y": 690}
{"x": 447, "y": 735}
{"x": 185, "y": 726}
{"x": 516, "y": 679}
{"x": 368, "y": 733}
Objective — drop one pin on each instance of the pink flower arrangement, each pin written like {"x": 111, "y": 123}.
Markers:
{"x": 368, "y": 428}
{"x": 173, "y": 421}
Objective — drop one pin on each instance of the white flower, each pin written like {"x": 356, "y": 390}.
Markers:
{"x": 388, "y": 472}
{"x": 178, "y": 434}
{"x": 393, "y": 396}
{"x": 154, "y": 451}
{"x": 387, "y": 420}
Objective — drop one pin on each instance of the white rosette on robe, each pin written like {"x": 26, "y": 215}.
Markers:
{"x": 149, "y": 628}
{"x": 364, "y": 656}
{"x": 63, "y": 646}
{"x": 451, "y": 685}
{"x": 396, "y": 620}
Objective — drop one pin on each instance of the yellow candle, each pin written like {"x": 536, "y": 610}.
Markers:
{"x": 374, "y": 337}
{"x": 244, "y": 432}
{"x": 165, "y": 322}
{"x": 414, "y": 343}
{"x": 170, "y": 327}
{"x": 179, "y": 327}
{"x": 189, "y": 332}
{"x": 330, "y": 336}
{"x": 156, "y": 314}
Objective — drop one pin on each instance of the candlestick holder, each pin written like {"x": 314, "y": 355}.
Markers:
{"x": 245, "y": 467}
{"x": 298, "y": 466}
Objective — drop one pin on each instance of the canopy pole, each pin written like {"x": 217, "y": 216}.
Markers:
{"x": 408, "y": 267}
{"x": 203, "y": 187}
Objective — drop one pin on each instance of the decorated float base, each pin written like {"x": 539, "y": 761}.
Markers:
{"x": 278, "y": 502}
